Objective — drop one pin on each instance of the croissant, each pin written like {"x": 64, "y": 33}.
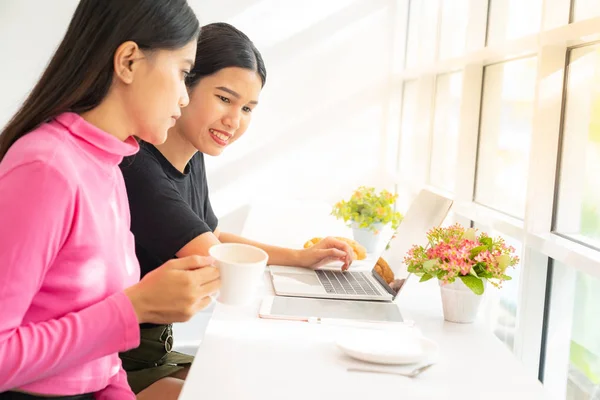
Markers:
{"x": 384, "y": 270}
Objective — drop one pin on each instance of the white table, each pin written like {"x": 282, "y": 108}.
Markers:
{"x": 245, "y": 357}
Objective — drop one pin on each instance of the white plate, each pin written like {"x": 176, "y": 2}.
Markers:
{"x": 388, "y": 347}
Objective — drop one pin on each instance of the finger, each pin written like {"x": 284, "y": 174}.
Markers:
{"x": 215, "y": 296}
{"x": 346, "y": 265}
{"x": 327, "y": 256}
{"x": 203, "y": 303}
{"x": 348, "y": 259}
{"x": 332, "y": 253}
{"x": 205, "y": 275}
{"x": 338, "y": 244}
{"x": 351, "y": 256}
{"x": 209, "y": 288}
{"x": 190, "y": 262}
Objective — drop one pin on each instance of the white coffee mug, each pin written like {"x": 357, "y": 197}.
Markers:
{"x": 241, "y": 267}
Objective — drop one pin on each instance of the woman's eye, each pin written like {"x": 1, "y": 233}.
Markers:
{"x": 247, "y": 109}
{"x": 187, "y": 75}
{"x": 223, "y": 99}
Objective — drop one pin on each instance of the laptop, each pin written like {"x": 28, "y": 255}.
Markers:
{"x": 361, "y": 282}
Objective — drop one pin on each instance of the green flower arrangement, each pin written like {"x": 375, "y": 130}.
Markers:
{"x": 367, "y": 208}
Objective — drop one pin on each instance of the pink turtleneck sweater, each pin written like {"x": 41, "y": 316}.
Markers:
{"x": 66, "y": 254}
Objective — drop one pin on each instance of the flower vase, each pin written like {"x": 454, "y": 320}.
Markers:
{"x": 459, "y": 302}
{"x": 371, "y": 239}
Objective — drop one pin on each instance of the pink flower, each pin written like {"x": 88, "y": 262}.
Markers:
{"x": 452, "y": 247}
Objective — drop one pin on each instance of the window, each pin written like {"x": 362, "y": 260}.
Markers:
{"x": 584, "y": 9}
{"x": 574, "y": 308}
{"x": 505, "y": 135}
{"x": 500, "y": 305}
{"x": 408, "y": 127}
{"x": 472, "y": 120}
{"x": 444, "y": 148}
{"x": 511, "y": 19}
{"x": 578, "y": 209}
{"x": 422, "y": 32}
{"x": 453, "y": 30}
{"x": 584, "y": 360}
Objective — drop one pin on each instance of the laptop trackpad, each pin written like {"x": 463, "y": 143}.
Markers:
{"x": 340, "y": 309}
{"x": 295, "y": 278}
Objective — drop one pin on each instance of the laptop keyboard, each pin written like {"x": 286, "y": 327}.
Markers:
{"x": 338, "y": 282}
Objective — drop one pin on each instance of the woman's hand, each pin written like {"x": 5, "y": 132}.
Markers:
{"x": 175, "y": 291}
{"x": 326, "y": 251}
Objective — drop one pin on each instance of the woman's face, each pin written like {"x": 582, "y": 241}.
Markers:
{"x": 158, "y": 92}
{"x": 220, "y": 109}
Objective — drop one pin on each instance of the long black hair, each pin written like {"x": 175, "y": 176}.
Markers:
{"x": 80, "y": 73}
{"x": 221, "y": 45}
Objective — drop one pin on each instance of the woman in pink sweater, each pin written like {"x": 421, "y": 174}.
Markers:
{"x": 69, "y": 288}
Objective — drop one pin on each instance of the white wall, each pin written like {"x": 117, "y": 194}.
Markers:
{"x": 319, "y": 130}
{"x": 30, "y": 31}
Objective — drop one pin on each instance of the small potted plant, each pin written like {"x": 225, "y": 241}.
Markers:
{"x": 369, "y": 213}
{"x": 462, "y": 261}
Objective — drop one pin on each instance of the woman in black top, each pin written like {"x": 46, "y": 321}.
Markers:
{"x": 171, "y": 214}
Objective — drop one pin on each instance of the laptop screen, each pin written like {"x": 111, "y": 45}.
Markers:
{"x": 390, "y": 279}
{"x": 427, "y": 210}
{"x": 391, "y": 283}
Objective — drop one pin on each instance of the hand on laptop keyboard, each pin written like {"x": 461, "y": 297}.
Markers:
{"x": 326, "y": 251}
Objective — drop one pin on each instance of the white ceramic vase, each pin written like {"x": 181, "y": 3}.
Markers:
{"x": 459, "y": 302}
{"x": 369, "y": 238}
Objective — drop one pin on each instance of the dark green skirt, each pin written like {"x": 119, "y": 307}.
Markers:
{"x": 153, "y": 359}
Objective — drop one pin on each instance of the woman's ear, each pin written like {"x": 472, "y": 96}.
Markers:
{"x": 125, "y": 61}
